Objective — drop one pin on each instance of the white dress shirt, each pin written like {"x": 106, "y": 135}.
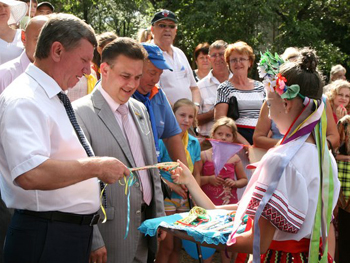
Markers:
{"x": 208, "y": 87}
{"x": 176, "y": 84}
{"x": 35, "y": 127}
{"x": 12, "y": 69}
{"x": 9, "y": 51}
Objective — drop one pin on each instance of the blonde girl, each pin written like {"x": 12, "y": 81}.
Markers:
{"x": 185, "y": 112}
{"x": 222, "y": 189}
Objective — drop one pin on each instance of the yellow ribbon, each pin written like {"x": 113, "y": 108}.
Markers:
{"x": 188, "y": 156}
{"x": 91, "y": 82}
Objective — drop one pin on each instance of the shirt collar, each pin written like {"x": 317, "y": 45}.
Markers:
{"x": 24, "y": 60}
{"x": 110, "y": 101}
{"x": 49, "y": 85}
{"x": 214, "y": 79}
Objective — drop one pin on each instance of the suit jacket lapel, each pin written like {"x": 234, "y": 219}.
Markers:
{"x": 108, "y": 118}
{"x": 144, "y": 130}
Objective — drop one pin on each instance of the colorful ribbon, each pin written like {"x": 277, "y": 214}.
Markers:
{"x": 130, "y": 181}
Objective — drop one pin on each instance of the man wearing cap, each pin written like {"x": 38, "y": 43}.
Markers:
{"x": 180, "y": 82}
{"x": 117, "y": 125}
{"x": 10, "y": 70}
{"x": 164, "y": 124}
{"x": 44, "y": 8}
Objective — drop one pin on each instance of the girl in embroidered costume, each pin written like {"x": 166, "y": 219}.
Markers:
{"x": 294, "y": 188}
{"x": 185, "y": 112}
{"x": 222, "y": 189}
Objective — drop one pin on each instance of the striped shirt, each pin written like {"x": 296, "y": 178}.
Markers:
{"x": 249, "y": 102}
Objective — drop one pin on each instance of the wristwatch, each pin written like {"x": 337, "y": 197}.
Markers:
{"x": 197, "y": 104}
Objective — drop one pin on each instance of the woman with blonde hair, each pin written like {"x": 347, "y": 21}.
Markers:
{"x": 144, "y": 35}
{"x": 338, "y": 95}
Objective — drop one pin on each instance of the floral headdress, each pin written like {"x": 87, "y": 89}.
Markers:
{"x": 268, "y": 68}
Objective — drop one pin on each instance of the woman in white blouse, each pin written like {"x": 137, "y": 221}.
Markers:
{"x": 11, "y": 12}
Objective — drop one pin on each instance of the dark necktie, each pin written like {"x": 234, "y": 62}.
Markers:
{"x": 70, "y": 112}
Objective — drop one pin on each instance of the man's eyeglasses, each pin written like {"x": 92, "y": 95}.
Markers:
{"x": 217, "y": 55}
{"x": 165, "y": 26}
{"x": 238, "y": 60}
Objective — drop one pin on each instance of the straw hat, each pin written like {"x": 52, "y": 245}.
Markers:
{"x": 18, "y": 10}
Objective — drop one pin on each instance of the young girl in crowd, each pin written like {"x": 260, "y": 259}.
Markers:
{"x": 185, "y": 112}
{"x": 295, "y": 187}
{"x": 222, "y": 189}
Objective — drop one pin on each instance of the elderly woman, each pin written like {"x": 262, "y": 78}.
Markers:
{"x": 339, "y": 98}
{"x": 201, "y": 58}
{"x": 11, "y": 12}
{"x": 249, "y": 93}
{"x": 337, "y": 72}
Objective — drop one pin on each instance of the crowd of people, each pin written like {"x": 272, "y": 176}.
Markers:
{"x": 64, "y": 167}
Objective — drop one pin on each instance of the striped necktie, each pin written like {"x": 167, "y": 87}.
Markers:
{"x": 136, "y": 150}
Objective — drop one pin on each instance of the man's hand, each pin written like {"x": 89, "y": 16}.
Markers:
{"x": 98, "y": 256}
{"x": 112, "y": 170}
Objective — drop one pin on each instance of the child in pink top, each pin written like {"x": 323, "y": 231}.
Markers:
{"x": 222, "y": 189}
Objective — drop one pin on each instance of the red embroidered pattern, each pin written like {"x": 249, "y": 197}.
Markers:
{"x": 279, "y": 220}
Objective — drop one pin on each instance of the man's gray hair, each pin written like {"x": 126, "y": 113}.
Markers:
{"x": 66, "y": 29}
{"x": 218, "y": 44}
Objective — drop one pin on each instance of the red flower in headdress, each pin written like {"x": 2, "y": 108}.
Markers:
{"x": 280, "y": 84}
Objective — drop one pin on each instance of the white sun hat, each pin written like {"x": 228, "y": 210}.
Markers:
{"x": 18, "y": 10}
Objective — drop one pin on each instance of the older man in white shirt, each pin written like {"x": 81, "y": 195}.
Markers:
{"x": 180, "y": 82}
{"x": 45, "y": 173}
{"x": 209, "y": 84}
{"x": 10, "y": 70}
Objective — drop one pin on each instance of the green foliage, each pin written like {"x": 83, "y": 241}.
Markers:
{"x": 273, "y": 24}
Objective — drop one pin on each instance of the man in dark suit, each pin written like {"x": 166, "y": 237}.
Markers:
{"x": 104, "y": 124}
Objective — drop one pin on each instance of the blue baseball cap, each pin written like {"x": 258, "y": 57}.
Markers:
{"x": 155, "y": 55}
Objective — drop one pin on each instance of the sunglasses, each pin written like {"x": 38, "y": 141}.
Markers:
{"x": 165, "y": 26}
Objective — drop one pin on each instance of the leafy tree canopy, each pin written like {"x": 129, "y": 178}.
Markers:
{"x": 273, "y": 24}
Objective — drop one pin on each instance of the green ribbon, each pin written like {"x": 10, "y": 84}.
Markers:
{"x": 325, "y": 197}
{"x": 291, "y": 92}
